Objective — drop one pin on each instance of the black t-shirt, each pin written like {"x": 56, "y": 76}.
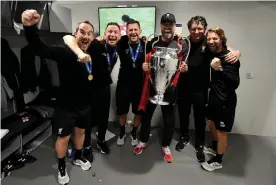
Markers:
{"x": 73, "y": 90}
{"x": 197, "y": 77}
{"x": 100, "y": 68}
{"x": 128, "y": 74}
{"x": 224, "y": 83}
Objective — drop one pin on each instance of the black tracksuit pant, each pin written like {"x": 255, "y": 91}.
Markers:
{"x": 185, "y": 101}
{"x": 100, "y": 104}
{"x": 168, "y": 116}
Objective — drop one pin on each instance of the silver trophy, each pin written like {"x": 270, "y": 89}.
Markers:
{"x": 164, "y": 64}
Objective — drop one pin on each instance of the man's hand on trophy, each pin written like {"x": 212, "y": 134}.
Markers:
{"x": 83, "y": 57}
{"x": 146, "y": 67}
{"x": 30, "y": 17}
{"x": 183, "y": 67}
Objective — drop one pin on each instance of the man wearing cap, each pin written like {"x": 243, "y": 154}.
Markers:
{"x": 167, "y": 39}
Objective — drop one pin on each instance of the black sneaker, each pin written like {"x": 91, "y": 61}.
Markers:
{"x": 87, "y": 153}
{"x": 102, "y": 146}
{"x": 181, "y": 144}
{"x": 199, "y": 154}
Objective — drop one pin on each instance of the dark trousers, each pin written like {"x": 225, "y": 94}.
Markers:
{"x": 185, "y": 101}
{"x": 100, "y": 104}
{"x": 168, "y": 116}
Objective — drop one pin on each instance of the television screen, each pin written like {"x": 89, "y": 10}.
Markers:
{"x": 121, "y": 15}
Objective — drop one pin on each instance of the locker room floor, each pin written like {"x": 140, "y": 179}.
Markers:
{"x": 250, "y": 160}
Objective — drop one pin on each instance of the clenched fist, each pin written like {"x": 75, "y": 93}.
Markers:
{"x": 30, "y": 17}
{"x": 216, "y": 64}
{"x": 146, "y": 66}
{"x": 83, "y": 57}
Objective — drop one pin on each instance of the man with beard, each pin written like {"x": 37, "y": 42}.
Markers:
{"x": 104, "y": 57}
{"x": 166, "y": 40}
{"x": 73, "y": 109}
{"x": 222, "y": 102}
{"x": 130, "y": 79}
{"x": 193, "y": 86}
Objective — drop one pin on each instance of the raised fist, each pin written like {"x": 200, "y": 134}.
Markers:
{"x": 30, "y": 17}
{"x": 216, "y": 64}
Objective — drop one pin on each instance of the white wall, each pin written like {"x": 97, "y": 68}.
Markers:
{"x": 250, "y": 27}
{"x": 60, "y": 18}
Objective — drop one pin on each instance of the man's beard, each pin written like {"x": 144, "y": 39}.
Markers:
{"x": 167, "y": 35}
{"x": 133, "y": 38}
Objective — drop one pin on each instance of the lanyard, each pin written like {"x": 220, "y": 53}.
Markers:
{"x": 88, "y": 66}
{"x": 134, "y": 58}
{"x": 108, "y": 56}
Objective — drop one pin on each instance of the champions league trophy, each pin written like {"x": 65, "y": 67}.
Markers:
{"x": 164, "y": 64}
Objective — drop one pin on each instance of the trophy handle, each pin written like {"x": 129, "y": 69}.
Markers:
{"x": 154, "y": 34}
{"x": 182, "y": 37}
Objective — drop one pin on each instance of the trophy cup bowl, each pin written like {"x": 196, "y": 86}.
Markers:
{"x": 164, "y": 64}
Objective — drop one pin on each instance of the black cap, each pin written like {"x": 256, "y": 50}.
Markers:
{"x": 168, "y": 18}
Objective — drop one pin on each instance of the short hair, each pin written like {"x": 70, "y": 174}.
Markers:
{"x": 198, "y": 19}
{"x": 220, "y": 33}
{"x": 112, "y": 23}
{"x": 125, "y": 18}
{"x": 133, "y": 22}
{"x": 85, "y": 22}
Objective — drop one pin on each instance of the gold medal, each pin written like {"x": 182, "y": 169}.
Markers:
{"x": 90, "y": 77}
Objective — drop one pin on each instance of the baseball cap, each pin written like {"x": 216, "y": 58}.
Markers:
{"x": 168, "y": 18}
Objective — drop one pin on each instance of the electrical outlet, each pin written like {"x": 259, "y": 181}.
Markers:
{"x": 249, "y": 75}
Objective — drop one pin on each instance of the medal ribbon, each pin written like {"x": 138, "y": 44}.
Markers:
{"x": 108, "y": 56}
{"x": 134, "y": 58}
{"x": 88, "y": 66}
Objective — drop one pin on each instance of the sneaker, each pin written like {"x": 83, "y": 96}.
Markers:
{"x": 209, "y": 150}
{"x": 83, "y": 163}
{"x": 63, "y": 177}
{"x": 211, "y": 165}
{"x": 102, "y": 146}
{"x": 182, "y": 143}
{"x": 138, "y": 149}
{"x": 199, "y": 154}
{"x": 167, "y": 154}
{"x": 121, "y": 140}
{"x": 134, "y": 140}
{"x": 88, "y": 154}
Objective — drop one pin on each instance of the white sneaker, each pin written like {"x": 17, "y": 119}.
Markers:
{"x": 83, "y": 163}
{"x": 121, "y": 141}
{"x": 211, "y": 165}
{"x": 134, "y": 141}
{"x": 209, "y": 150}
{"x": 63, "y": 177}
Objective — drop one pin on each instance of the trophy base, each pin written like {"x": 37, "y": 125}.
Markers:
{"x": 158, "y": 101}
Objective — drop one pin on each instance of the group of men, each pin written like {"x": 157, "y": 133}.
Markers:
{"x": 85, "y": 65}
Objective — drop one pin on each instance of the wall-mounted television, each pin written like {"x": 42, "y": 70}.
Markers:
{"x": 145, "y": 15}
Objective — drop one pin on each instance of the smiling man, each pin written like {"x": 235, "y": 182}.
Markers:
{"x": 73, "y": 110}
{"x": 193, "y": 86}
{"x": 225, "y": 80}
{"x": 104, "y": 56}
{"x": 130, "y": 79}
{"x": 169, "y": 40}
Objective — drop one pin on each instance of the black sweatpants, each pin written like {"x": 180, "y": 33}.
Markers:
{"x": 168, "y": 116}
{"x": 100, "y": 104}
{"x": 185, "y": 101}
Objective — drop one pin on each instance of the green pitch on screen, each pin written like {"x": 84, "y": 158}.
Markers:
{"x": 145, "y": 15}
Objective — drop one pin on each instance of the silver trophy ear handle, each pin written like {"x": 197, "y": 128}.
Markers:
{"x": 182, "y": 37}
{"x": 147, "y": 40}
